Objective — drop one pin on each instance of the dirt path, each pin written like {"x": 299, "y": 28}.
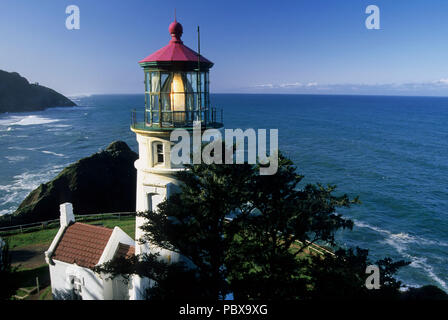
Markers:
{"x": 31, "y": 256}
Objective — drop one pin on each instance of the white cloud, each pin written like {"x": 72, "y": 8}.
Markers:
{"x": 443, "y": 81}
{"x": 268, "y": 85}
{"x": 437, "y": 87}
{"x": 290, "y": 85}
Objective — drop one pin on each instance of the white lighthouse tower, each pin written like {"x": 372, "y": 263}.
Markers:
{"x": 176, "y": 96}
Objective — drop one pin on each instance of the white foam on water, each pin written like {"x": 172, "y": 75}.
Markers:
{"x": 400, "y": 242}
{"x": 79, "y": 95}
{"x": 401, "y": 237}
{"x": 9, "y": 120}
{"x": 5, "y": 211}
{"x": 420, "y": 263}
{"x": 34, "y": 120}
{"x": 27, "y": 149}
{"x": 9, "y": 198}
{"x": 24, "y": 183}
{"x": 15, "y": 158}
{"x": 53, "y": 153}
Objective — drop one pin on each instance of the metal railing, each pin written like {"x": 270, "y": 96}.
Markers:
{"x": 152, "y": 120}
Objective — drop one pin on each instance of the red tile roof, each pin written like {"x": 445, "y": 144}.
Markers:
{"x": 124, "y": 250}
{"x": 82, "y": 244}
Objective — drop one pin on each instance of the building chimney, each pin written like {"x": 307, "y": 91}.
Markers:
{"x": 67, "y": 215}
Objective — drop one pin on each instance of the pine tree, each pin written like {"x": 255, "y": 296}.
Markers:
{"x": 250, "y": 235}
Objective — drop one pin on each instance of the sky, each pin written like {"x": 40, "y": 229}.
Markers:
{"x": 300, "y": 46}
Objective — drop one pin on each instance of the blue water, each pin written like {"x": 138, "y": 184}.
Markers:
{"x": 391, "y": 151}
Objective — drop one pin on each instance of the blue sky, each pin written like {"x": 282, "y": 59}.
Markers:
{"x": 308, "y": 46}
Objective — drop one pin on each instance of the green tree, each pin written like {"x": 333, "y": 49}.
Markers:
{"x": 343, "y": 275}
{"x": 193, "y": 221}
{"x": 262, "y": 252}
{"x": 270, "y": 251}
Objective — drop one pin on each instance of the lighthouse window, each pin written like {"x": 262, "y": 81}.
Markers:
{"x": 159, "y": 151}
{"x": 149, "y": 200}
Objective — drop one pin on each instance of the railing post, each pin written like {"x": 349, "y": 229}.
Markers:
{"x": 37, "y": 286}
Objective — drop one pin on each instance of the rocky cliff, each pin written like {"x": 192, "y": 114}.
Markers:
{"x": 18, "y": 95}
{"x": 102, "y": 183}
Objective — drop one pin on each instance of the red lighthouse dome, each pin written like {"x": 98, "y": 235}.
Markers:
{"x": 176, "y": 52}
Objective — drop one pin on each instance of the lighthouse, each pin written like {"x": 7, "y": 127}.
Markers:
{"x": 176, "y": 97}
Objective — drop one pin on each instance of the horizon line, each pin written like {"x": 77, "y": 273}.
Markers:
{"x": 266, "y": 93}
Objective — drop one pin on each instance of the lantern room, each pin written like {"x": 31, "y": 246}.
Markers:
{"x": 176, "y": 88}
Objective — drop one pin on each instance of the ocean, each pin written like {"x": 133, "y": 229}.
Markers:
{"x": 391, "y": 151}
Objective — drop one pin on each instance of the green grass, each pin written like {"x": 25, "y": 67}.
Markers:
{"x": 126, "y": 224}
{"x": 36, "y": 237}
{"x": 25, "y": 278}
{"x": 46, "y": 236}
{"x": 46, "y": 294}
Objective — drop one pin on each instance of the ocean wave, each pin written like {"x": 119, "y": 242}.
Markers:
{"x": 5, "y": 211}
{"x": 53, "y": 153}
{"x": 27, "y": 149}
{"x": 24, "y": 183}
{"x": 9, "y": 120}
{"x": 15, "y": 158}
{"x": 400, "y": 237}
{"x": 37, "y": 149}
{"x": 74, "y": 108}
{"x": 421, "y": 263}
{"x": 34, "y": 120}
{"x": 400, "y": 242}
{"x": 80, "y": 95}
{"x": 61, "y": 126}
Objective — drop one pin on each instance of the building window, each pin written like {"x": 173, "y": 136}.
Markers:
{"x": 76, "y": 288}
{"x": 159, "y": 153}
{"x": 149, "y": 200}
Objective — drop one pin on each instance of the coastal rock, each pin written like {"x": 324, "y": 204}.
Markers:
{"x": 18, "y": 95}
{"x": 102, "y": 183}
{"x": 428, "y": 292}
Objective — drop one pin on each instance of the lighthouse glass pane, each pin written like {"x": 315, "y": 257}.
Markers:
{"x": 147, "y": 100}
{"x": 165, "y": 84}
{"x": 191, "y": 80}
{"x": 147, "y": 81}
{"x": 165, "y": 106}
{"x": 178, "y": 90}
{"x": 195, "y": 101}
{"x": 154, "y": 115}
{"x": 155, "y": 102}
{"x": 194, "y": 81}
{"x": 155, "y": 83}
{"x": 202, "y": 81}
